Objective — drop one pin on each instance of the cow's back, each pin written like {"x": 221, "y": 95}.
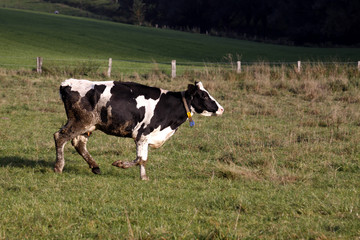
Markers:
{"x": 113, "y": 107}
{"x": 81, "y": 98}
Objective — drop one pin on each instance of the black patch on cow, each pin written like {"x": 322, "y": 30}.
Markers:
{"x": 92, "y": 97}
{"x": 100, "y": 88}
{"x": 68, "y": 95}
{"x": 124, "y": 113}
{"x": 104, "y": 115}
{"x": 169, "y": 111}
{"x": 133, "y": 90}
{"x": 123, "y": 103}
{"x": 69, "y": 98}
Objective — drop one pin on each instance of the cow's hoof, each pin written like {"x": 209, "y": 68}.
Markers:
{"x": 120, "y": 164}
{"x": 57, "y": 170}
{"x": 96, "y": 170}
{"x": 145, "y": 178}
{"x": 117, "y": 163}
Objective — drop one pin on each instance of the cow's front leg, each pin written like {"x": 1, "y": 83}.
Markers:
{"x": 141, "y": 157}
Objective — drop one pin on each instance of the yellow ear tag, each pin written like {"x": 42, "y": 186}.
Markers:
{"x": 192, "y": 123}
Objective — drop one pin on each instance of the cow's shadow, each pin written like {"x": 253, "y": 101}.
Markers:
{"x": 39, "y": 165}
{"x": 16, "y": 161}
{"x": 43, "y": 166}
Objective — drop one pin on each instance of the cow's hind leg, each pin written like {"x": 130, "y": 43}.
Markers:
{"x": 79, "y": 143}
{"x": 60, "y": 142}
{"x": 61, "y": 137}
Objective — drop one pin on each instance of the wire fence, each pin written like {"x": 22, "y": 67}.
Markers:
{"x": 128, "y": 66}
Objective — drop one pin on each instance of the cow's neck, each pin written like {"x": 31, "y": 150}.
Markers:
{"x": 188, "y": 112}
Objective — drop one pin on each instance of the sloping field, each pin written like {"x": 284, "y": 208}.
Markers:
{"x": 47, "y": 7}
{"x": 29, "y": 34}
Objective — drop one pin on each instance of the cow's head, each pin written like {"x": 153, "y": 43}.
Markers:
{"x": 202, "y": 102}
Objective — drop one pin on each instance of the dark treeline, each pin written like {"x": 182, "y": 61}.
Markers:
{"x": 305, "y": 22}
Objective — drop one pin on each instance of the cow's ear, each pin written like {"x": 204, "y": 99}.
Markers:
{"x": 199, "y": 85}
{"x": 191, "y": 89}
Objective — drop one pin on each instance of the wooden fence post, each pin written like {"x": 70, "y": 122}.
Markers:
{"x": 238, "y": 69}
{"x": 39, "y": 62}
{"x": 109, "y": 69}
{"x": 298, "y": 66}
{"x": 173, "y": 68}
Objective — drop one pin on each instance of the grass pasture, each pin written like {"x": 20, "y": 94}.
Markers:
{"x": 281, "y": 163}
{"x": 47, "y": 7}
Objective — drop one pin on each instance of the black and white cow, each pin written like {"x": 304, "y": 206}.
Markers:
{"x": 149, "y": 115}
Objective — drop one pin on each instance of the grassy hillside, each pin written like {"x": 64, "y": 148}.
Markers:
{"x": 25, "y": 35}
{"x": 47, "y": 7}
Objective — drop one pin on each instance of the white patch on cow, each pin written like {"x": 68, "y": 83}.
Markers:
{"x": 106, "y": 95}
{"x": 82, "y": 86}
{"x": 143, "y": 173}
{"x": 157, "y": 138}
{"x": 149, "y": 105}
{"x": 163, "y": 91}
{"x": 142, "y": 149}
{"x": 206, "y": 113}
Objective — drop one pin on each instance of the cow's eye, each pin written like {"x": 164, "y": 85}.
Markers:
{"x": 204, "y": 95}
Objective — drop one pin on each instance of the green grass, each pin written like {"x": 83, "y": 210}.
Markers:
{"x": 281, "y": 163}
{"x": 46, "y": 7}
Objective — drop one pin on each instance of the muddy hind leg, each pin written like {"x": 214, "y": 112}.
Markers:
{"x": 61, "y": 138}
{"x": 60, "y": 142}
{"x": 79, "y": 142}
